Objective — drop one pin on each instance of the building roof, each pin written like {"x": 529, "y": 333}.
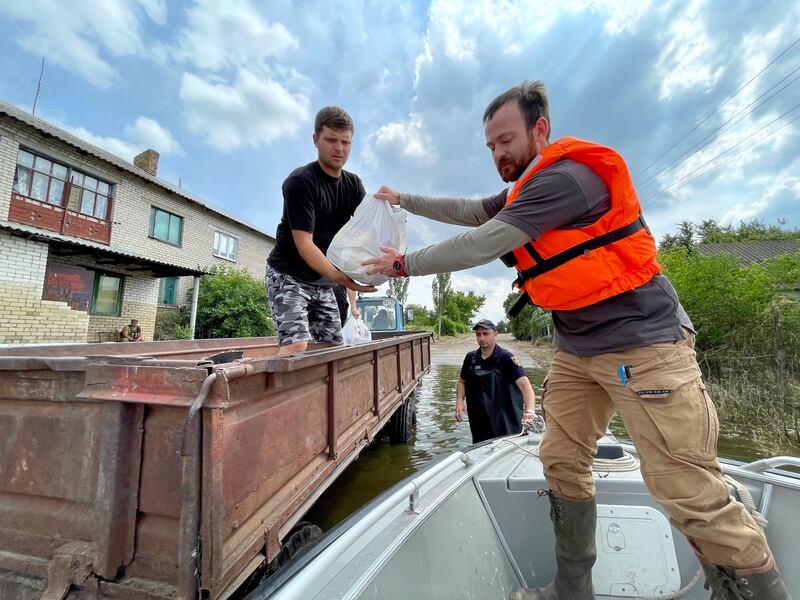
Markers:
{"x": 51, "y": 130}
{"x": 70, "y": 246}
{"x": 751, "y": 252}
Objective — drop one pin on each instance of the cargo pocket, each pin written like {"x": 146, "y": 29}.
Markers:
{"x": 677, "y": 405}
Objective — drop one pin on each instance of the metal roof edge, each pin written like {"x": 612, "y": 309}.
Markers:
{"x": 49, "y": 129}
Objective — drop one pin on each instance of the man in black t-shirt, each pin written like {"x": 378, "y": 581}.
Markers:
{"x": 318, "y": 199}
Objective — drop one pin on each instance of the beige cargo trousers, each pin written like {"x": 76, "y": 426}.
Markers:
{"x": 673, "y": 424}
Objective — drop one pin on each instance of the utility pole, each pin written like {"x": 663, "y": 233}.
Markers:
{"x": 38, "y": 88}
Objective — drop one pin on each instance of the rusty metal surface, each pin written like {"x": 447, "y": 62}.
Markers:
{"x": 96, "y": 452}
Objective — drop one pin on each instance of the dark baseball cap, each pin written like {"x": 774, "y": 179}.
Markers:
{"x": 486, "y": 324}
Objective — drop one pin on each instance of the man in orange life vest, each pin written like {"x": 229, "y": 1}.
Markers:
{"x": 571, "y": 225}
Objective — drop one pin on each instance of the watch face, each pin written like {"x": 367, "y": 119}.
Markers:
{"x": 397, "y": 265}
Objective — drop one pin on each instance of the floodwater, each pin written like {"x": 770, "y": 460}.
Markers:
{"x": 437, "y": 432}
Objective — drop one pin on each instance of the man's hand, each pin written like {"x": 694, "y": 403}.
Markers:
{"x": 388, "y": 194}
{"x": 382, "y": 264}
{"x": 461, "y": 410}
{"x": 342, "y": 279}
{"x": 355, "y": 312}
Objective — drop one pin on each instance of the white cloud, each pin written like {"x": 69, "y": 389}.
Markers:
{"x": 148, "y": 133}
{"x": 407, "y": 139}
{"x": 253, "y": 111}
{"x": 687, "y": 60}
{"x": 116, "y": 146}
{"x": 231, "y": 34}
{"x": 141, "y": 134}
{"x": 82, "y": 37}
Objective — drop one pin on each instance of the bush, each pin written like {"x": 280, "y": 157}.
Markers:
{"x": 232, "y": 303}
{"x": 172, "y": 323}
{"x": 451, "y": 327}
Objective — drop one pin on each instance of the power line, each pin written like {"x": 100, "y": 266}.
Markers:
{"x": 651, "y": 201}
{"x": 677, "y": 160}
{"x": 712, "y": 113}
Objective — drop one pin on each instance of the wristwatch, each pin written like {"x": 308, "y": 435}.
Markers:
{"x": 399, "y": 266}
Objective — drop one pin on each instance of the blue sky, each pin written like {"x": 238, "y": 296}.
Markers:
{"x": 226, "y": 92}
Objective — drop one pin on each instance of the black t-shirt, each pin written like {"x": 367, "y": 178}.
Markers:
{"x": 315, "y": 202}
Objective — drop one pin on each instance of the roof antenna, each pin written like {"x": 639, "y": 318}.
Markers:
{"x": 38, "y": 88}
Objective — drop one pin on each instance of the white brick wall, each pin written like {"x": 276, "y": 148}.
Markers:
{"x": 8, "y": 162}
{"x": 24, "y": 316}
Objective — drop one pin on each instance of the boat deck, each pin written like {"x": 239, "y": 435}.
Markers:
{"x": 473, "y": 526}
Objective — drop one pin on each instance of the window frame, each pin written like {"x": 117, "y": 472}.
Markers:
{"x": 230, "y": 236}
{"x": 98, "y": 276}
{"x": 67, "y": 187}
{"x": 154, "y": 210}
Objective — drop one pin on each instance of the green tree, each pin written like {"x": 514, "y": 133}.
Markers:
{"x": 423, "y": 317}
{"x": 462, "y": 308}
{"x": 684, "y": 238}
{"x": 232, "y": 303}
{"x": 440, "y": 289}
{"x": 398, "y": 286}
{"x": 531, "y": 323}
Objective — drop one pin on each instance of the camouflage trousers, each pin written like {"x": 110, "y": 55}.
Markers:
{"x": 302, "y": 312}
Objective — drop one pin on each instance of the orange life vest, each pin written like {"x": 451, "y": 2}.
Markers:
{"x": 567, "y": 269}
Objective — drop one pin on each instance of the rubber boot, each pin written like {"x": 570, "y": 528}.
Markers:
{"x": 764, "y": 583}
{"x": 574, "y": 522}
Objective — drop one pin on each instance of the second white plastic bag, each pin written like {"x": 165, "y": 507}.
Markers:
{"x": 374, "y": 224}
{"x": 355, "y": 332}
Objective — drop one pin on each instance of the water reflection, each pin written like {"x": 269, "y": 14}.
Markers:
{"x": 383, "y": 464}
{"x": 437, "y": 433}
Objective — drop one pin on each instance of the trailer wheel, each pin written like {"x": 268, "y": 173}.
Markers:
{"x": 299, "y": 538}
{"x": 401, "y": 424}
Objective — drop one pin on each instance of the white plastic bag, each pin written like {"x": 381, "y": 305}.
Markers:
{"x": 374, "y": 224}
{"x": 355, "y": 332}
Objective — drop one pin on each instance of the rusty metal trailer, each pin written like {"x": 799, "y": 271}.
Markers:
{"x": 175, "y": 469}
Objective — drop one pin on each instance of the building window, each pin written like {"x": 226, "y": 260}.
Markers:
{"x": 40, "y": 178}
{"x": 107, "y": 297}
{"x": 225, "y": 246}
{"x": 88, "y": 195}
{"x": 83, "y": 289}
{"x": 48, "y": 181}
{"x": 73, "y": 285}
{"x": 165, "y": 226}
{"x": 168, "y": 290}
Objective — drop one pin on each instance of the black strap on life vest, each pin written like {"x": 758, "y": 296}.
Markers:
{"x": 544, "y": 265}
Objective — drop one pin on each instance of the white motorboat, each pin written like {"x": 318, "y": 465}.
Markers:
{"x": 473, "y": 526}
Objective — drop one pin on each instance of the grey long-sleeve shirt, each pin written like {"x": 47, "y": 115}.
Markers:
{"x": 490, "y": 239}
{"x": 566, "y": 195}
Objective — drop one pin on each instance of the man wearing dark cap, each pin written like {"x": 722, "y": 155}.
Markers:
{"x": 498, "y": 393}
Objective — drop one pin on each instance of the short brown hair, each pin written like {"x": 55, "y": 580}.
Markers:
{"x": 531, "y": 97}
{"x": 333, "y": 117}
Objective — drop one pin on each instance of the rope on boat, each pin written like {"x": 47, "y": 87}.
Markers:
{"x": 746, "y": 498}
{"x": 628, "y": 462}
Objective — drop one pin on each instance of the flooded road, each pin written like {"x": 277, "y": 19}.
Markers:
{"x": 438, "y": 433}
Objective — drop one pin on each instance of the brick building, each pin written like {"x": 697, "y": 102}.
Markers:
{"x": 89, "y": 241}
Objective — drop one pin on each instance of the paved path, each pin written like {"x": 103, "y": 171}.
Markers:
{"x": 451, "y": 350}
